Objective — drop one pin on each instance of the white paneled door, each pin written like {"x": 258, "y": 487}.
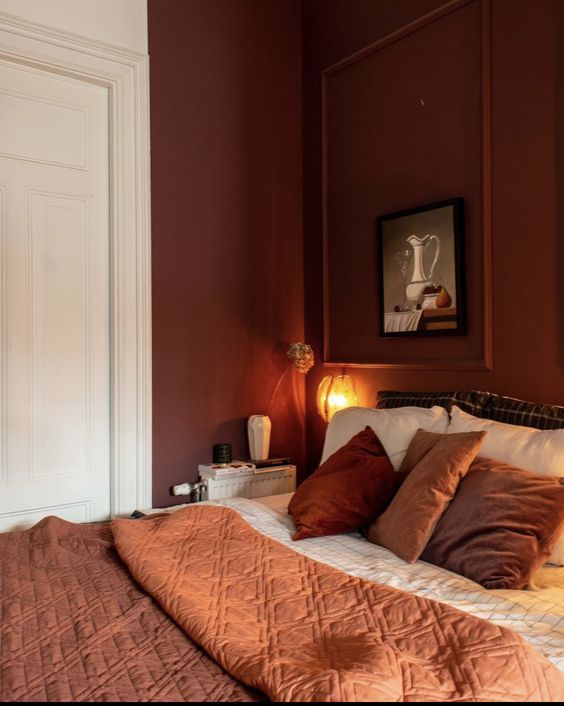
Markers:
{"x": 54, "y": 294}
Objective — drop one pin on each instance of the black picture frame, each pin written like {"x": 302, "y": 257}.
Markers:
{"x": 415, "y": 285}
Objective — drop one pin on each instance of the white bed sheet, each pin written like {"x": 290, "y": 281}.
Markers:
{"x": 279, "y": 503}
{"x": 536, "y": 614}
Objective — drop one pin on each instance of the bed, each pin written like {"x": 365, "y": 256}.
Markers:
{"x": 170, "y": 608}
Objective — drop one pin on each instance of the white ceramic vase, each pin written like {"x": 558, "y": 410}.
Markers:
{"x": 258, "y": 429}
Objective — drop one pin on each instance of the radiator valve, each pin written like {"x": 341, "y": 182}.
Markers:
{"x": 194, "y": 489}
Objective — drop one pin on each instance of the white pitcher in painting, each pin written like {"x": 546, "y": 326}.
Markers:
{"x": 420, "y": 280}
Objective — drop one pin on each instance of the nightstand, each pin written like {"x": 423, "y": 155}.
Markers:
{"x": 271, "y": 481}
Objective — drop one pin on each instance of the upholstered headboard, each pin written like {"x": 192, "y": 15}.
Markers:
{"x": 481, "y": 404}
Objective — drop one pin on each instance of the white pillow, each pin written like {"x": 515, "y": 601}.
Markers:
{"x": 394, "y": 427}
{"x": 530, "y": 449}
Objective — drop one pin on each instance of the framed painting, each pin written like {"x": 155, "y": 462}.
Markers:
{"x": 421, "y": 270}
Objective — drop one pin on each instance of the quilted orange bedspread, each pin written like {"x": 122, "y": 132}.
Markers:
{"x": 299, "y": 630}
{"x": 75, "y": 627}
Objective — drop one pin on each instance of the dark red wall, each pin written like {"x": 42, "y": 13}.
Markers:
{"x": 527, "y": 115}
{"x": 227, "y": 273}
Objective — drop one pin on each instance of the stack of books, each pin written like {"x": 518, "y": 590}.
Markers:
{"x": 221, "y": 470}
{"x": 271, "y": 464}
{"x": 242, "y": 468}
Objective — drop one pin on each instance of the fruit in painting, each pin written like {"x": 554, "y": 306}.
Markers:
{"x": 444, "y": 300}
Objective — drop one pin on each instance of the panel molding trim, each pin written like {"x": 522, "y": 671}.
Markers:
{"x": 485, "y": 363}
{"x": 125, "y": 74}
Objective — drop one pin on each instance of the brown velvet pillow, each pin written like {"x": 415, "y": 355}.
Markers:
{"x": 435, "y": 463}
{"x": 501, "y": 525}
{"x": 345, "y": 492}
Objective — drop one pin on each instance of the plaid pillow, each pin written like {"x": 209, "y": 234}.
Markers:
{"x": 525, "y": 414}
{"x": 470, "y": 401}
{"x": 389, "y": 399}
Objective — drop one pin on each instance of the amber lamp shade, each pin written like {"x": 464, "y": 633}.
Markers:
{"x": 335, "y": 392}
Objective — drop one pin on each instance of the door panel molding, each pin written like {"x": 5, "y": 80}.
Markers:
{"x": 79, "y": 297}
{"x": 3, "y": 324}
{"x": 65, "y": 151}
{"x": 22, "y": 519}
{"x": 125, "y": 75}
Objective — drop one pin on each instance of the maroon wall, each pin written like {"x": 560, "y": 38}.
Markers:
{"x": 527, "y": 194}
{"x": 227, "y": 273}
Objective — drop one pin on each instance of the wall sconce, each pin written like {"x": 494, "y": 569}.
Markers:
{"x": 335, "y": 392}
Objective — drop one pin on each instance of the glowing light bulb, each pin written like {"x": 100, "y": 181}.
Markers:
{"x": 335, "y": 393}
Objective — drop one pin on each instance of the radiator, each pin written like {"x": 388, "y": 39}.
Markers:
{"x": 254, "y": 486}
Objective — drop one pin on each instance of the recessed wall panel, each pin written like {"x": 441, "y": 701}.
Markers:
{"x": 404, "y": 126}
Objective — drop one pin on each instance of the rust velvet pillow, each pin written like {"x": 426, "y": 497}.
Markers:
{"x": 435, "y": 464}
{"x": 501, "y": 525}
{"x": 347, "y": 491}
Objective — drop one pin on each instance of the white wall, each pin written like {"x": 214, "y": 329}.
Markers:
{"x": 121, "y": 22}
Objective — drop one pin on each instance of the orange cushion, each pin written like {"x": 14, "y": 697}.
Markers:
{"x": 501, "y": 525}
{"x": 347, "y": 491}
{"x": 435, "y": 464}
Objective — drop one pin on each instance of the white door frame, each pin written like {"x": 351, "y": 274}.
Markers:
{"x": 126, "y": 76}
